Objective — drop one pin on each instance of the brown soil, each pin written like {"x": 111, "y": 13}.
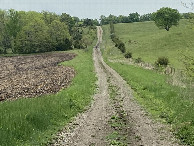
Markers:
{"x": 114, "y": 99}
{"x": 34, "y": 75}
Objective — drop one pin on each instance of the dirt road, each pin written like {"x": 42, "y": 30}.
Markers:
{"x": 114, "y": 117}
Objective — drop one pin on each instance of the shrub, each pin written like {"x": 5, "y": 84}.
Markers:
{"x": 118, "y": 43}
{"x": 138, "y": 60}
{"x": 1, "y": 50}
{"x": 162, "y": 61}
{"x": 128, "y": 55}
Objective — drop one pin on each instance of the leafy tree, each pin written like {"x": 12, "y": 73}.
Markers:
{"x": 146, "y": 17}
{"x": 77, "y": 36}
{"x": 33, "y": 38}
{"x": 12, "y": 28}
{"x": 166, "y": 18}
{"x": 134, "y": 17}
{"x": 76, "y": 20}
{"x": 68, "y": 20}
{"x": 49, "y": 17}
{"x": 59, "y": 35}
{"x": 103, "y": 20}
{"x": 3, "y": 49}
{"x": 27, "y": 17}
{"x": 12, "y": 24}
{"x": 88, "y": 22}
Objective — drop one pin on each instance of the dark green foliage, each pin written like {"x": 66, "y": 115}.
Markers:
{"x": 33, "y": 32}
{"x": 118, "y": 43}
{"x": 112, "y": 29}
{"x": 166, "y": 17}
{"x": 68, "y": 20}
{"x": 162, "y": 61}
{"x": 146, "y": 17}
{"x": 1, "y": 51}
{"x": 187, "y": 16}
{"x": 128, "y": 55}
{"x": 59, "y": 35}
{"x": 33, "y": 38}
{"x": 49, "y": 17}
{"x": 90, "y": 22}
{"x": 132, "y": 17}
{"x": 77, "y": 37}
{"x": 138, "y": 60}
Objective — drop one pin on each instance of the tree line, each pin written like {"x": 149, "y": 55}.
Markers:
{"x": 118, "y": 43}
{"x": 136, "y": 17}
{"x": 35, "y": 32}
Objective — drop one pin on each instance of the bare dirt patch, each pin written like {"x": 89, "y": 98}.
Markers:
{"x": 34, "y": 75}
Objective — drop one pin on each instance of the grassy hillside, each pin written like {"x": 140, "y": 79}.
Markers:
{"x": 170, "y": 104}
{"x": 148, "y": 42}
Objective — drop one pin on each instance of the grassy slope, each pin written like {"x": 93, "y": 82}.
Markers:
{"x": 164, "y": 101}
{"x": 33, "y": 121}
{"x": 149, "y": 42}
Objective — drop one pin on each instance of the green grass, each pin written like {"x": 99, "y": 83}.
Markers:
{"x": 170, "y": 104}
{"x": 145, "y": 40}
{"x": 34, "y": 121}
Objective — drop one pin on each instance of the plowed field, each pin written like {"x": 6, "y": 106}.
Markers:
{"x": 34, "y": 75}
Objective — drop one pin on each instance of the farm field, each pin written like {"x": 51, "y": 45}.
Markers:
{"x": 34, "y": 75}
{"x": 146, "y": 41}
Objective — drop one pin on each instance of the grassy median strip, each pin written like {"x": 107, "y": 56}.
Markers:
{"x": 34, "y": 121}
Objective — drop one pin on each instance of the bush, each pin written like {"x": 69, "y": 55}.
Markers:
{"x": 138, "y": 60}
{"x": 118, "y": 43}
{"x": 128, "y": 55}
{"x": 162, "y": 61}
{"x": 1, "y": 50}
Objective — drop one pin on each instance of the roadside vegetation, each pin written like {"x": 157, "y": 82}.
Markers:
{"x": 171, "y": 104}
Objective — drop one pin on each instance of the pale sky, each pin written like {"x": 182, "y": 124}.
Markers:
{"x": 94, "y": 8}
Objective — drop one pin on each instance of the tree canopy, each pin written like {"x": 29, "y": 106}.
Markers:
{"x": 166, "y": 17}
{"x": 33, "y": 32}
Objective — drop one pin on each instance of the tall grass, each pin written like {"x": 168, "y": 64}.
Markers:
{"x": 34, "y": 121}
{"x": 170, "y": 104}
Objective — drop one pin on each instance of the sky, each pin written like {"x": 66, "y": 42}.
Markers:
{"x": 94, "y": 8}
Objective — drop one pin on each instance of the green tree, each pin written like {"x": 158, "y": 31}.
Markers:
{"x": 33, "y": 38}
{"x": 12, "y": 27}
{"x": 134, "y": 17}
{"x": 166, "y": 17}
{"x": 59, "y": 35}
{"x": 49, "y": 17}
{"x": 68, "y": 20}
{"x": 3, "y": 49}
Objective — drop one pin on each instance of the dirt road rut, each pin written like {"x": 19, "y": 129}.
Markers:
{"x": 114, "y": 117}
